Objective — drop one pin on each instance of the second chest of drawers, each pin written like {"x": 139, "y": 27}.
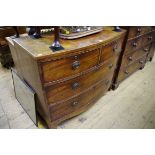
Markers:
{"x": 138, "y": 45}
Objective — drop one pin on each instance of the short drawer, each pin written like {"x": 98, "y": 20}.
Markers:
{"x": 75, "y": 105}
{"x": 148, "y": 38}
{"x": 133, "y": 44}
{"x": 125, "y": 72}
{"x": 69, "y": 88}
{"x": 135, "y": 55}
{"x": 111, "y": 49}
{"x": 60, "y": 69}
{"x": 135, "y": 31}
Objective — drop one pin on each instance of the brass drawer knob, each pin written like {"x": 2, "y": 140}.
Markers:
{"x": 75, "y": 85}
{"x": 139, "y": 30}
{"x": 130, "y": 58}
{"x": 150, "y": 38}
{"x": 115, "y": 47}
{"x": 76, "y": 57}
{"x": 134, "y": 44}
{"x": 75, "y": 64}
{"x": 126, "y": 72}
{"x": 75, "y": 103}
{"x": 110, "y": 66}
{"x": 141, "y": 61}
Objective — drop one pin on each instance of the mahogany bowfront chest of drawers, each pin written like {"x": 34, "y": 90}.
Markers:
{"x": 138, "y": 48}
{"x": 69, "y": 81}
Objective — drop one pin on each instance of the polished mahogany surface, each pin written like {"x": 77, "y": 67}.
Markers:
{"x": 69, "y": 81}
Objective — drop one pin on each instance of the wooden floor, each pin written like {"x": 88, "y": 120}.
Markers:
{"x": 132, "y": 105}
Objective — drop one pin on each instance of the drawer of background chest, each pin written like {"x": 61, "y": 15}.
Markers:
{"x": 4, "y": 49}
{"x": 69, "y": 88}
{"x": 135, "y": 55}
{"x": 111, "y": 49}
{"x": 135, "y": 31}
{"x": 125, "y": 72}
{"x": 148, "y": 38}
{"x": 133, "y": 44}
{"x": 76, "y": 104}
{"x": 68, "y": 66}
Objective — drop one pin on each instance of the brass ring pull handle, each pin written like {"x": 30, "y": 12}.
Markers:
{"x": 106, "y": 82}
{"x": 75, "y": 85}
{"x": 146, "y": 49}
{"x": 75, "y": 103}
{"x": 126, "y": 72}
{"x": 75, "y": 64}
{"x": 110, "y": 66}
{"x": 130, "y": 58}
{"x": 134, "y": 44}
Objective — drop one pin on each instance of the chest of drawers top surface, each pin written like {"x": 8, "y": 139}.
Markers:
{"x": 39, "y": 48}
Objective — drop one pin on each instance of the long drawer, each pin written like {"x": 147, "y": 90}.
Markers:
{"x": 125, "y": 72}
{"x": 77, "y": 103}
{"x": 69, "y": 65}
{"x": 69, "y": 88}
{"x": 138, "y": 30}
{"x": 130, "y": 58}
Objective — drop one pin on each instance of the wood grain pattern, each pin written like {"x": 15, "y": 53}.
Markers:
{"x": 63, "y": 68}
{"x": 135, "y": 31}
{"x": 135, "y": 55}
{"x": 42, "y": 52}
{"x": 67, "y": 89}
{"x": 77, "y": 103}
{"x": 126, "y": 72}
{"x": 111, "y": 49}
{"x": 133, "y": 44}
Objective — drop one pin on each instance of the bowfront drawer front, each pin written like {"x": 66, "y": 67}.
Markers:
{"x": 68, "y": 66}
{"x": 148, "y": 38}
{"x": 138, "y": 30}
{"x": 111, "y": 49}
{"x": 76, "y": 104}
{"x": 69, "y": 88}
{"x": 133, "y": 44}
{"x": 132, "y": 57}
{"x": 125, "y": 72}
